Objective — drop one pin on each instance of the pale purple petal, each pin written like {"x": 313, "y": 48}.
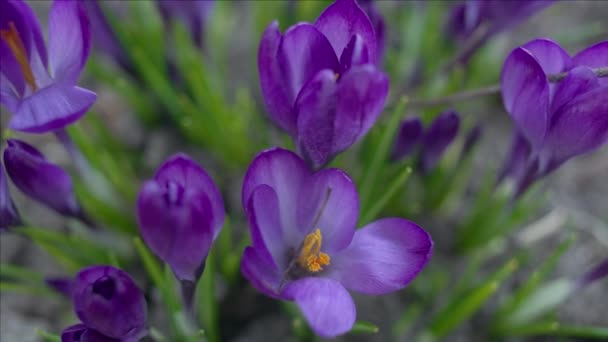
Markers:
{"x": 329, "y": 201}
{"x": 525, "y": 93}
{"x": 278, "y": 98}
{"x": 52, "y": 108}
{"x": 69, "y": 39}
{"x": 343, "y": 19}
{"x": 550, "y": 56}
{"x": 408, "y": 138}
{"x": 580, "y": 80}
{"x": 261, "y": 271}
{"x": 595, "y": 56}
{"x": 384, "y": 256}
{"x": 325, "y": 303}
{"x": 285, "y": 173}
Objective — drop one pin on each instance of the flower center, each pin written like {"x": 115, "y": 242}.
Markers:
{"x": 105, "y": 287}
{"x": 13, "y": 40}
{"x": 311, "y": 258}
{"x": 174, "y": 194}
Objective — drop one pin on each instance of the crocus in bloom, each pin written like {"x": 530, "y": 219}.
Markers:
{"x": 39, "y": 85}
{"x": 180, "y": 213}
{"x": 320, "y": 82}
{"x": 193, "y": 13}
{"x": 491, "y": 16}
{"x": 110, "y": 306}
{"x": 9, "y": 216}
{"x": 554, "y": 121}
{"x": 430, "y": 143}
{"x": 40, "y": 179}
{"x": 305, "y": 247}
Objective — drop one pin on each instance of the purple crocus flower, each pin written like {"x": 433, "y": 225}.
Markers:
{"x": 320, "y": 81}
{"x": 39, "y": 86}
{"x": 193, "y": 13}
{"x": 555, "y": 121}
{"x": 110, "y": 306}
{"x": 40, "y": 179}
{"x": 9, "y": 216}
{"x": 305, "y": 247}
{"x": 180, "y": 213}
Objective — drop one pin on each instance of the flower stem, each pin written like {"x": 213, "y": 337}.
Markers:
{"x": 490, "y": 90}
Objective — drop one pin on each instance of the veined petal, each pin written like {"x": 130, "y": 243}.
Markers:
{"x": 261, "y": 271}
{"x": 580, "y": 80}
{"x": 384, "y": 256}
{"x": 361, "y": 96}
{"x": 550, "y": 56}
{"x": 329, "y": 201}
{"x": 285, "y": 173}
{"x": 69, "y": 39}
{"x": 303, "y": 52}
{"x": 278, "y": 97}
{"x": 343, "y": 19}
{"x": 525, "y": 93}
{"x": 327, "y": 306}
{"x": 580, "y": 126}
{"x": 595, "y": 56}
{"x": 52, "y": 108}
{"x": 316, "y": 112}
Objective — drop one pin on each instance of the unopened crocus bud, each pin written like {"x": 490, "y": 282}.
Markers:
{"x": 437, "y": 139}
{"x": 180, "y": 212}
{"x": 193, "y": 13}
{"x": 408, "y": 138}
{"x": 40, "y": 179}
{"x": 9, "y": 216}
{"x": 109, "y": 303}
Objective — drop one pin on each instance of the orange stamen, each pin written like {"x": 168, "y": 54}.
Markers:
{"x": 311, "y": 258}
{"x": 13, "y": 40}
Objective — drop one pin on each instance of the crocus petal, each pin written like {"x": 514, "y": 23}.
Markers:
{"x": 407, "y": 139}
{"x": 595, "y": 56}
{"x": 267, "y": 233}
{"x": 355, "y": 53}
{"x": 525, "y": 93}
{"x": 361, "y": 94}
{"x": 515, "y": 164}
{"x": 41, "y": 180}
{"x": 73, "y": 333}
{"x": 343, "y": 19}
{"x": 277, "y": 96}
{"x": 91, "y": 335}
{"x": 329, "y": 201}
{"x": 579, "y": 127}
{"x": 315, "y": 108}
{"x": 384, "y": 256}
{"x": 297, "y": 67}
{"x": 61, "y": 285}
{"x": 51, "y": 108}
{"x": 9, "y": 216}
{"x": 580, "y": 80}
{"x": 69, "y": 39}
{"x": 437, "y": 139}
{"x": 261, "y": 271}
{"x": 550, "y": 56}
{"x": 325, "y": 303}
{"x": 285, "y": 173}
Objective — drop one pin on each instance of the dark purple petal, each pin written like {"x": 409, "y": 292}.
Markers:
{"x": 329, "y": 201}
{"x": 550, "y": 56}
{"x": 383, "y": 257}
{"x": 39, "y": 179}
{"x": 471, "y": 140}
{"x": 267, "y": 233}
{"x": 261, "y": 271}
{"x": 52, "y": 108}
{"x": 277, "y": 95}
{"x": 595, "y": 56}
{"x": 9, "y": 216}
{"x": 579, "y": 127}
{"x": 437, "y": 139}
{"x": 180, "y": 213}
{"x": 517, "y": 164}
{"x": 107, "y": 300}
{"x": 285, "y": 173}
{"x": 193, "y": 13}
{"x": 355, "y": 53}
{"x": 344, "y": 19}
{"x": 599, "y": 272}
{"x": 297, "y": 68}
{"x": 525, "y": 93}
{"x": 325, "y": 303}
{"x": 408, "y": 138}
{"x": 61, "y": 285}
{"x": 73, "y": 333}
{"x": 503, "y": 15}
{"x": 69, "y": 40}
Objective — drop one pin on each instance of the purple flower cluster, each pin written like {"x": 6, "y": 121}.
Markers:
{"x": 555, "y": 120}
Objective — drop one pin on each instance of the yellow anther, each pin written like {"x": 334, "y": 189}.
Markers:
{"x": 13, "y": 40}
{"x": 311, "y": 258}
{"x": 336, "y": 76}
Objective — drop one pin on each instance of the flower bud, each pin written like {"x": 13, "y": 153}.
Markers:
{"x": 108, "y": 301}
{"x": 9, "y": 216}
{"x": 437, "y": 139}
{"x": 180, "y": 213}
{"x": 408, "y": 138}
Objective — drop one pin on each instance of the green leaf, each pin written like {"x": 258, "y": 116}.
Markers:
{"x": 28, "y": 289}
{"x": 14, "y": 272}
{"x": 556, "y": 329}
{"x": 48, "y": 337}
{"x": 362, "y": 327}
{"x": 207, "y": 302}
{"x": 393, "y": 188}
